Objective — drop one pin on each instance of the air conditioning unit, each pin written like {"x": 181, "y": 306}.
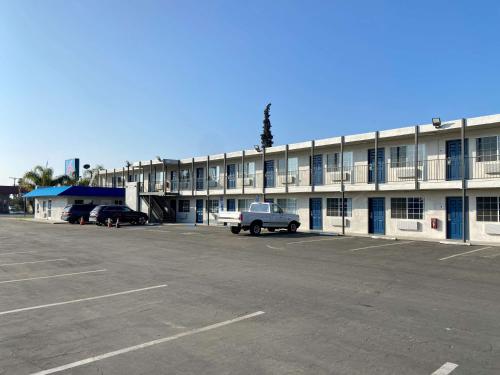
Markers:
{"x": 492, "y": 168}
{"x": 407, "y": 172}
{"x": 408, "y": 225}
{"x": 492, "y": 229}
{"x": 337, "y": 176}
{"x": 336, "y": 221}
{"x": 247, "y": 181}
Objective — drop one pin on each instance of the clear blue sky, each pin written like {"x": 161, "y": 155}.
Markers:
{"x": 109, "y": 81}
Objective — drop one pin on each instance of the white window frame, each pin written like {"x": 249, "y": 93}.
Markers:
{"x": 289, "y": 205}
{"x": 407, "y": 213}
{"x": 497, "y": 153}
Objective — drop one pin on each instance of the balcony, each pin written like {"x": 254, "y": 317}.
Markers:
{"x": 435, "y": 173}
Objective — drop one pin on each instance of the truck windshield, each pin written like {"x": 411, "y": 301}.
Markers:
{"x": 259, "y": 207}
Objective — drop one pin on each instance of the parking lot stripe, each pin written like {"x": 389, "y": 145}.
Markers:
{"x": 146, "y": 344}
{"x": 33, "y": 262}
{"x": 467, "y": 252}
{"x": 80, "y": 300}
{"x": 322, "y": 239}
{"x": 51, "y": 277}
{"x": 373, "y": 246}
{"x": 18, "y": 252}
{"x": 445, "y": 369}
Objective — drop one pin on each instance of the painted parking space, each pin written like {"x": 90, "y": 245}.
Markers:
{"x": 338, "y": 301}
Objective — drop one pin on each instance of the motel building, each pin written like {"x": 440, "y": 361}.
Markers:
{"x": 429, "y": 182}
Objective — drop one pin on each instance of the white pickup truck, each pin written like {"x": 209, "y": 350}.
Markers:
{"x": 260, "y": 215}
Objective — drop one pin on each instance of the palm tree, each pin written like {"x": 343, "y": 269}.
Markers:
{"x": 42, "y": 176}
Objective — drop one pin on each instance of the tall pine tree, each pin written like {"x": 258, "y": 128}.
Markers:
{"x": 266, "y": 137}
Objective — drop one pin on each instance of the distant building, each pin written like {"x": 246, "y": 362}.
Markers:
{"x": 49, "y": 202}
{"x": 5, "y": 193}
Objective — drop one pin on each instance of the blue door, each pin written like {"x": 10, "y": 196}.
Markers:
{"x": 380, "y": 165}
{"x": 231, "y": 176}
{"x": 269, "y": 173}
{"x": 454, "y": 159}
{"x": 315, "y": 213}
{"x": 318, "y": 169}
{"x": 199, "y": 211}
{"x": 454, "y": 218}
{"x": 376, "y": 215}
{"x": 200, "y": 180}
{"x": 231, "y": 205}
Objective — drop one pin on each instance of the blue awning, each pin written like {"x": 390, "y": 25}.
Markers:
{"x": 76, "y": 191}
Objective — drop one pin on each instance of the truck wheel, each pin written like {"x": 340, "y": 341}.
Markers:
{"x": 255, "y": 229}
{"x": 235, "y": 230}
{"x": 292, "y": 227}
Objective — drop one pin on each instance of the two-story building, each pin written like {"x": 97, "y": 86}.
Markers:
{"x": 424, "y": 182}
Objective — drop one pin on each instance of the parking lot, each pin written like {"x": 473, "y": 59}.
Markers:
{"x": 178, "y": 299}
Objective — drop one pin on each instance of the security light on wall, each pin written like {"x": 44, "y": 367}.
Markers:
{"x": 436, "y": 121}
{"x": 257, "y": 148}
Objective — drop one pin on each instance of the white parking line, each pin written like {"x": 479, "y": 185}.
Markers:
{"x": 18, "y": 252}
{"x": 275, "y": 248}
{"x": 146, "y": 344}
{"x": 80, "y": 300}
{"x": 467, "y": 252}
{"x": 335, "y": 238}
{"x": 36, "y": 261}
{"x": 384, "y": 245}
{"x": 445, "y": 369}
{"x": 51, "y": 277}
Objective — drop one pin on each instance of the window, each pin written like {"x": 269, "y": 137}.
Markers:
{"x": 487, "y": 149}
{"x": 407, "y": 208}
{"x": 244, "y": 204}
{"x": 213, "y": 206}
{"x": 118, "y": 202}
{"x": 289, "y": 205}
{"x": 184, "y": 205}
{"x": 333, "y": 207}
{"x": 259, "y": 207}
{"x": 399, "y": 156}
{"x": 250, "y": 169}
{"x": 213, "y": 176}
{"x": 78, "y": 201}
{"x": 38, "y": 208}
{"x": 333, "y": 161}
{"x": 487, "y": 209}
{"x": 293, "y": 165}
{"x": 404, "y": 156}
{"x": 185, "y": 177}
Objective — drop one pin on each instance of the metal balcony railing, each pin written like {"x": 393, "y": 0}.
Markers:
{"x": 428, "y": 170}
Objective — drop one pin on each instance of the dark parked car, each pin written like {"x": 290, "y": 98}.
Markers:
{"x": 74, "y": 212}
{"x": 101, "y": 214}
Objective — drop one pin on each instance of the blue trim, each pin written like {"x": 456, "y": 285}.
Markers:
{"x": 47, "y": 191}
{"x": 76, "y": 191}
